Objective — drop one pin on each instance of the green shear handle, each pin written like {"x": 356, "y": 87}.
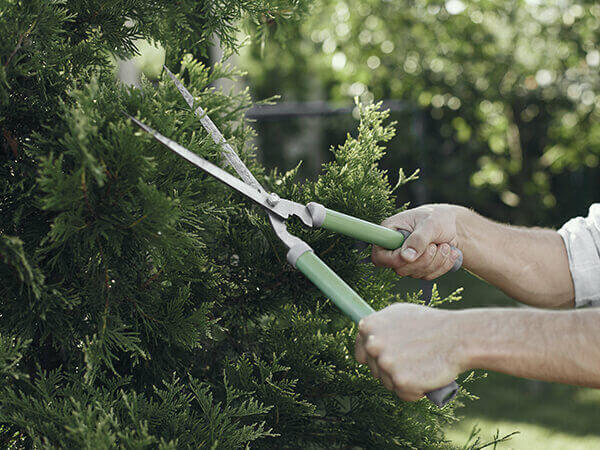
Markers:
{"x": 351, "y": 304}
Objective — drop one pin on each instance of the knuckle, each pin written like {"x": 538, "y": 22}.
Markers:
{"x": 433, "y": 221}
{"x": 397, "y": 221}
{"x": 388, "y": 222}
{"x": 385, "y": 362}
{"x": 373, "y": 368}
{"x": 400, "y": 381}
{"x": 449, "y": 262}
{"x": 365, "y": 326}
{"x": 430, "y": 254}
{"x": 388, "y": 385}
{"x": 419, "y": 395}
{"x": 392, "y": 221}
{"x": 375, "y": 257}
{"x": 410, "y": 396}
{"x": 402, "y": 271}
{"x": 373, "y": 346}
{"x": 418, "y": 239}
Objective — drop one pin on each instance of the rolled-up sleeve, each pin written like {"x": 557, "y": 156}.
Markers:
{"x": 582, "y": 240}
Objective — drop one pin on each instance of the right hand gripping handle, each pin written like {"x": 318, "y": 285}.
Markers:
{"x": 350, "y": 303}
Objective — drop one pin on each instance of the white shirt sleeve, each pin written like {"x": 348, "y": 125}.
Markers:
{"x": 582, "y": 240}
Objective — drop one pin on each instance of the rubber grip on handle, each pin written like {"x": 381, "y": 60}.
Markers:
{"x": 351, "y": 304}
{"x": 442, "y": 396}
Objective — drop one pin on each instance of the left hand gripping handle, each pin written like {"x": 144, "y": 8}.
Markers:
{"x": 351, "y": 304}
{"x": 363, "y": 230}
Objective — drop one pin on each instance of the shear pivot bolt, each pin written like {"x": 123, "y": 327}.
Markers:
{"x": 273, "y": 199}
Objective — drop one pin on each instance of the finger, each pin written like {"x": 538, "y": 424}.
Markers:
{"x": 404, "y": 390}
{"x": 385, "y": 364}
{"x": 418, "y": 241}
{"x": 386, "y": 379}
{"x": 403, "y": 381}
{"x": 373, "y": 346}
{"x": 366, "y": 326}
{"x": 418, "y": 268}
{"x": 404, "y": 220}
{"x": 445, "y": 266}
{"x": 408, "y": 396}
{"x": 438, "y": 259}
{"x": 359, "y": 350}
{"x": 373, "y": 366}
{"x": 382, "y": 257}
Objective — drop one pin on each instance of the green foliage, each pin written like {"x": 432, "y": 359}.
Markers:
{"x": 510, "y": 92}
{"x": 144, "y": 305}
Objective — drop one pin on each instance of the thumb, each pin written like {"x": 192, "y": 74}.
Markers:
{"x": 417, "y": 242}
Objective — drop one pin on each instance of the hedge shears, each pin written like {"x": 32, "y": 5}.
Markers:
{"x": 300, "y": 255}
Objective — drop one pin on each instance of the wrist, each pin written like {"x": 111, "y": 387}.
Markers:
{"x": 475, "y": 338}
{"x": 464, "y": 219}
{"x": 493, "y": 338}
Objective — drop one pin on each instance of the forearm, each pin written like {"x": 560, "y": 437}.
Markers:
{"x": 530, "y": 265}
{"x": 558, "y": 346}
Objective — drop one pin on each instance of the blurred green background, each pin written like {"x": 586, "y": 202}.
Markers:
{"x": 497, "y": 104}
{"x": 500, "y": 99}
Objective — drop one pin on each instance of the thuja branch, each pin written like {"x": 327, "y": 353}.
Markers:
{"x": 19, "y": 43}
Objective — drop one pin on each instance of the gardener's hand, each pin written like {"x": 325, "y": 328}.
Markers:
{"x": 427, "y": 252}
{"x": 413, "y": 349}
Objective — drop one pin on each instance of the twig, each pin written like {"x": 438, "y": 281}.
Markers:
{"x": 85, "y": 195}
{"x": 135, "y": 222}
{"x": 12, "y": 142}
{"x": 138, "y": 309}
{"x": 106, "y": 288}
{"x": 97, "y": 11}
{"x": 331, "y": 247}
{"x": 151, "y": 279}
{"x": 19, "y": 43}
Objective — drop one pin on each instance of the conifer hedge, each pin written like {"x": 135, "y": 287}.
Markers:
{"x": 144, "y": 305}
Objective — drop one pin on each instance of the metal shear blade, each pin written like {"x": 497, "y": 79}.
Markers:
{"x": 234, "y": 160}
{"x": 281, "y": 207}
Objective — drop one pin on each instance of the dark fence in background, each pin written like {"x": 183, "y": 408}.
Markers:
{"x": 294, "y": 131}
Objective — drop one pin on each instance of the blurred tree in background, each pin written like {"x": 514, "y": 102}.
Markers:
{"x": 506, "y": 95}
{"x": 144, "y": 305}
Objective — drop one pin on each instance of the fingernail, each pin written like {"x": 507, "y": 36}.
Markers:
{"x": 409, "y": 253}
{"x": 445, "y": 250}
{"x": 431, "y": 250}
